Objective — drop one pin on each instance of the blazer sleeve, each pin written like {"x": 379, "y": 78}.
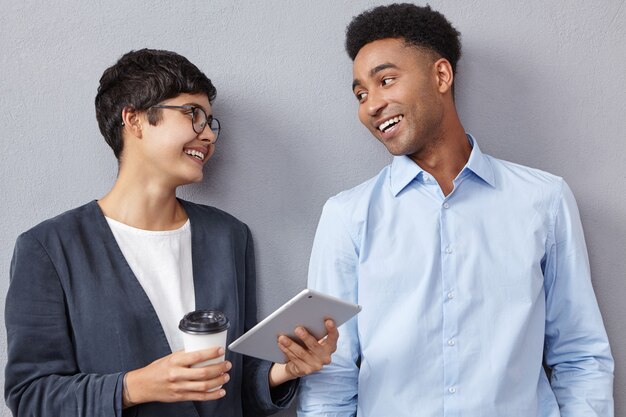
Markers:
{"x": 258, "y": 399}
{"x": 42, "y": 377}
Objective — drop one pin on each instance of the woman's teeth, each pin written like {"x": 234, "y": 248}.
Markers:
{"x": 195, "y": 153}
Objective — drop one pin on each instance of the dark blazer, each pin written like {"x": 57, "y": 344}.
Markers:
{"x": 77, "y": 319}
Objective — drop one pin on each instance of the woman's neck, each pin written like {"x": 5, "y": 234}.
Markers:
{"x": 144, "y": 206}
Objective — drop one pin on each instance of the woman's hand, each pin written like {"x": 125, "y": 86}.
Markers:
{"x": 172, "y": 379}
{"x": 304, "y": 360}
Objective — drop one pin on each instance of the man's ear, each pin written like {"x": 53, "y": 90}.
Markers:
{"x": 131, "y": 121}
{"x": 445, "y": 75}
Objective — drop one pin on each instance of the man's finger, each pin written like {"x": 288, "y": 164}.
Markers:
{"x": 304, "y": 361}
{"x": 333, "y": 335}
{"x": 309, "y": 341}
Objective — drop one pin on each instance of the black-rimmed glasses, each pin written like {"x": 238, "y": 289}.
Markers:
{"x": 199, "y": 118}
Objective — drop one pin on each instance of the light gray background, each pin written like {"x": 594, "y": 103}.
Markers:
{"x": 540, "y": 83}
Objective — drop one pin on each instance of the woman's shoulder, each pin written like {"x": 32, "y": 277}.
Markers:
{"x": 63, "y": 234}
{"x": 67, "y": 223}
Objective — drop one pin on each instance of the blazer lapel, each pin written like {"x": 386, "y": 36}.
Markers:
{"x": 208, "y": 275}
{"x": 130, "y": 285}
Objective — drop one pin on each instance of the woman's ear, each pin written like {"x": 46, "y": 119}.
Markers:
{"x": 131, "y": 121}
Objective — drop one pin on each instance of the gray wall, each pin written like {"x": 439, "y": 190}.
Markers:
{"x": 541, "y": 83}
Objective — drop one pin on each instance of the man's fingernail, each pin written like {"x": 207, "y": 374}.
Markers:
{"x": 220, "y": 351}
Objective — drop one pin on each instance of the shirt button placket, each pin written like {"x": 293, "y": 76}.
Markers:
{"x": 450, "y": 312}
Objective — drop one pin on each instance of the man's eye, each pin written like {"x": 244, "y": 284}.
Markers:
{"x": 387, "y": 80}
{"x": 361, "y": 95}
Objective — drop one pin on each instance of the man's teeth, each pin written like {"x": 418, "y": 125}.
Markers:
{"x": 195, "y": 153}
{"x": 387, "y": 124}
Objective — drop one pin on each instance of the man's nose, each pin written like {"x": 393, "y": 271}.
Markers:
{"x": 375, "y": 103}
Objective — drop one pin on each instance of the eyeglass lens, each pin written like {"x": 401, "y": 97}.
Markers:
{"x": 200, "y": 121}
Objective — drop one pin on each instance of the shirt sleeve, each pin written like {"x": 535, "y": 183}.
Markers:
{"x": 332, "y": 392}
{"x": 576, "y": 345}
{"x": 258, "y": 399}
{"x": 41, "y": 376}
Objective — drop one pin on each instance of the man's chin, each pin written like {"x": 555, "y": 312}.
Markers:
{"x": 395, "y": 150}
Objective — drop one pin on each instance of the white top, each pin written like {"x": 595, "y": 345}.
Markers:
{"x": 161, "y": 261}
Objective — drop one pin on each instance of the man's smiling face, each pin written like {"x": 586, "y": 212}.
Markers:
{"x": 397, "y": 87}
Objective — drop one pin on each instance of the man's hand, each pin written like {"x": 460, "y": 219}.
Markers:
{"x": 304, "y": 360}
{"x": 172, "y": 379}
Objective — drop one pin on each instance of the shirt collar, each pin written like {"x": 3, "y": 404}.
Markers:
{"x": 479, "y": 164}
{"x": 404, "y": 170}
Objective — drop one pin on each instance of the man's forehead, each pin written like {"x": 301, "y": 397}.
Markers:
{"x": 378, "y": 55}
{"x": 389, "y": 53}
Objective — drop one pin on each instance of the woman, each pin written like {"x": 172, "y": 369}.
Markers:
{"x": 97, "y": 292}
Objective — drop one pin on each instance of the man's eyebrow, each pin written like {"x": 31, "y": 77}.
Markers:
{"x": 381, "y": 67}
{"x": 374, "y": 71}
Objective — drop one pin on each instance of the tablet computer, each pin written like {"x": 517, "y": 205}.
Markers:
{"x": 308, "y": 309}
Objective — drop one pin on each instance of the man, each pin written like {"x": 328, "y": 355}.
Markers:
{"x": 472, "y": 271}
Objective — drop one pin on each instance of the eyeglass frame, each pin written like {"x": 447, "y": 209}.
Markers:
{"x": 193, "y": 109}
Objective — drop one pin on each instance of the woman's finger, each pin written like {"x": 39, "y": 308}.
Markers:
{"x": 184, "y": 387}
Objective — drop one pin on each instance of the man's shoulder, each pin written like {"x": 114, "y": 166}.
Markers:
{"x": 361, "y": 194}
{"x": 511, "y": 173}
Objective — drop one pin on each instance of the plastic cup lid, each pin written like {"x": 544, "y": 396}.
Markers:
{"x": 204, "y": 322}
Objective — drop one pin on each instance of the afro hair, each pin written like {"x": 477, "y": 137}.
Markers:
{"x": 418, "y": 26}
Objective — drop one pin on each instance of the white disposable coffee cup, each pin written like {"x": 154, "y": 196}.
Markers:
{"x": 203, "y": 329}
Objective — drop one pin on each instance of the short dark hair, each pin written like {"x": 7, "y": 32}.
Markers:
{"x": 418, "y": 26}
{"x": 140, "y": 79}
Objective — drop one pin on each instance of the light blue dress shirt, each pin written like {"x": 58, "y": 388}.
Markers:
{"x": 464, "y": 296}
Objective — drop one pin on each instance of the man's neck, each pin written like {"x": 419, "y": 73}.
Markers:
{"x": 445, "y": 157}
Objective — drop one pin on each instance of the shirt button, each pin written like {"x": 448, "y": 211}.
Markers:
{"x": 451, "y": 342}
{"x": 446, "y": 205}
{"x": 451, "y": 295}
{"x": 451, "y": 390}
{"x": 448, "y": 249}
